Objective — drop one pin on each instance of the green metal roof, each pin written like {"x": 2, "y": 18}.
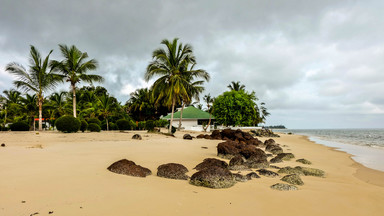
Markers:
{"x": 190, "y": 113}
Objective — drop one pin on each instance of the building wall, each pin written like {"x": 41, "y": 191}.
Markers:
{"x": 188, "y": 124}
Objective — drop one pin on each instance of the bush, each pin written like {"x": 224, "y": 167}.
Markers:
{"x": 113, "y": 126}
{"x": 94, "y": 120}
{"x": 83, "y": 125}
{"x": 161, "y": 123}
{"x": 141, "y": 125}
{"x": 104, "y": 126}
{"x": 19, "y": 126}
{"x": 150, "y": 125}
{"x": 93, "y": 127}
{"x": 124, "y": 124}
{"x": 68, "y": 124}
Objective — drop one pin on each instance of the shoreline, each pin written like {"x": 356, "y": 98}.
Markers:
{"x": 66, "y": 174}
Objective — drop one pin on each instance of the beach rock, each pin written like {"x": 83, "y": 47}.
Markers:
{"x": 304, "y": 161}
{"x": 237, "y": 163}
{"x": 214, "y": 177}
{"x": 216, "y": 135}
{"x": 274, "y": 167}
{"x": 137, "y": 137}
{"x": 257, "y": 162}
{"x": 211, "y": 162}
{"x": 290, "y": 170}
{"x": 282, "y": 157}
{"x": 274, "y": 149}
{"x": 172, "y": 171}
{"x": 227, "y": 150}
{"x": 269, "y": 155}
{"x": 255, "y": 142}
{"x": 269, "y": 142}
{"x": 267, "y": 173}
{"x": 228, "y": 133}
{"x": 276, "y": 160}
{"x": 2, "y": 145}
{"x": 187, "y": 137}
{"x": 200, "y": 136}
{"x": 252, "y": 175}
{"x": 127, "y": 167}
{"x": 240, "y": 178}
{"x": 207, "y": 136}
{"x": 293, "y": 179}
{"x": 311, "y": 171}
{"x": 264, "y": 133}
{"x": 283, "y": 187}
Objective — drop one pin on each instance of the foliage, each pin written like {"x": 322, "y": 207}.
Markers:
{"x": 113, "y": 126}
{"x": 125, "y": 124}
{"x": 84, "y": 125}
{"x": 161, "y": 123}
{"x": 141, "y": 125}
{"x": 19, "y": 126}
{"x": 94, "y": 120}
{"x": 68, "y": 124}
{"x": 236, "y": 86}
{"x": 237, "y": 108}
{"x": 150, "y": 125}
{"x": 93, "y": 127}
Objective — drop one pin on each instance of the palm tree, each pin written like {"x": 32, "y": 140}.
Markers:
{"x": 171, "y": 64}
{"x": 58, "y": 103}
{"x": 29, "y": 104}
{"x": 74, "y": 67}
{"x": 106, "y": 106}
{"x": 141, "y": 103}
{"x": 236, "y": 86}
{"x": 10, "y": 101}
{"x": 209, "y": 100}
{"x": 39, "y": 78}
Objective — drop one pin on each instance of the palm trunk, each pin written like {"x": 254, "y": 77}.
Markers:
{"x": 107, "y": 124}
{"x": 209, "y": 121}
{"x": 74, "y": 100}
{"x": 181, "y": 116}
{"x": 40, "y": 114}
{"x": 170, "y": 122}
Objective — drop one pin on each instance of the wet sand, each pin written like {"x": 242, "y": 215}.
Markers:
{"x": 66, "y": 174}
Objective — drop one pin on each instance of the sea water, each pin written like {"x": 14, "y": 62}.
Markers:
{"x": 366, "y": 145}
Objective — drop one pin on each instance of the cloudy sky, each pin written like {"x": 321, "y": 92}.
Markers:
{"x": 316, "y": 64}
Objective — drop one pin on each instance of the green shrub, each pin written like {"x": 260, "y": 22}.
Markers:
{"x": 94, "y": 120}
{"x": 104, "y": 126}
{"x": 141, "y": 125}
{"x": 124, "y": 124}
{"x": 113, "y": 126}
{"x": 67, "y": 124}
{"x": 150, "y": 125}
{"x": 19, "y": 126}
{"x": 161, "y": 123}
{"x": 84, "y": 125}
{"x": 93, "y": 127}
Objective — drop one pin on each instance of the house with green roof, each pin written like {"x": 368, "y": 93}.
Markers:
{"x": 193, "y": 118}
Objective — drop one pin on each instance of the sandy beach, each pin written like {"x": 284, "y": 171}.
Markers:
{"x": 53, "y": 173}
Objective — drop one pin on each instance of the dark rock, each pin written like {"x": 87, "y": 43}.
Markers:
{"x": 283, "y": 187}
{"x": 211, "y": 162}
{"x": 269, "y": 142}
{"x": 207, "y": 136}
{"x": 248, "y": 136}
{"x": 172, "y": 171}
{"x": 187, "y": 137}
{"x": 276, "y": 160}
{"x": 311, "y": 171}
{"x": 274, "y": 149}
{"x": 127, "y": 167}
{"x": 293, "y": 179}
{"x": 304, "y": 161}
{"x": 252, "y": 175}
{"x": 267, "y": 173}
{"x": 227, "y": 150}
{"x": 2, "y": 145}
{"x": 264, "y": 133}
{"x": 274, "y": 167}
{"x": 137, "y": 137}
{"x": 237, "y": 163}
{"x": 257, "y": 162}
{"x": 214, "y": 177}
{"x": 240, "y": 178}
{"x": 216, "y": 135}
{"x": 290, "y": 170}
{"x": 228, "y": 133}
{"x": 200, "y": 136}
{"x": 269, "y": 155}
{"x": 282, "y": 157}
{"x": 204, "y": 147}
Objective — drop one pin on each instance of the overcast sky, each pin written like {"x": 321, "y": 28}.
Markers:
{"x": 316, "y": 64}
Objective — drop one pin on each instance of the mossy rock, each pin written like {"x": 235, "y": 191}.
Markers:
{"x": 214, "y": 177}
{"x": 267, "y": 173}
{"x": 304, "y": 161}
{"x": 293, "y": 179}
{"x": 282, "y": 157}
{"x": 283, "y": 187}
{"x": 311, "y": 171}
{"x": 290, "y": 170}
{"x": 241, "y": 178}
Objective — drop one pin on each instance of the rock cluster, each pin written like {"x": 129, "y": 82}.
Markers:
{"x": 172, "y": 171}
{"x": 264, "y": 133}
{"x": 307, "y": 171}
{"x": 127, "y": 167}
{"x": 211, "y": 162}
{"x": 137, "y": 137}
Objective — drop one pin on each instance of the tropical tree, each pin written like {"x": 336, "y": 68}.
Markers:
{"x": 141, "y": 104}
{"x": 208, "y": 100}
{"x": 75, "y": 67}
{"x": 10, "y": 102}
{"x": 107, "y": 104}
{"x": 29, "y": 106}
{"x": 236, "y": 86}
{"x": 171, "y": 64}
{"x": 39, "y": 78}
{"x": 57, "y": 102}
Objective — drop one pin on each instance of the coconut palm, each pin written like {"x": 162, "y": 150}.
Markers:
{"x": 29, "y": 106}
{"x": 107, "y": 104}
{"x": 58, "y": 103}
{"x": 236, "y": 86}
{"x": 10, "y": 102}
{"x": 74, "y": 67}
{"x": 209, "y": 100}
{"x": 39, "y": 78}
{"x": 171, "y": 65}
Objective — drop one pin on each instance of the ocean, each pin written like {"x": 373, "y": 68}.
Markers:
{"x": 366, "y": 145}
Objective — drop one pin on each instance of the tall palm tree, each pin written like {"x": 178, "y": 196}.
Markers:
{"x": 209, "y": 100}
{"x": 29, "y": 106}
{"x": 236, "y": 86}
{"x": 74, "y": 67}
{"x": 106, "y": 106}
{"x": 171, "y": 65}
{"x": 39, "y": 78}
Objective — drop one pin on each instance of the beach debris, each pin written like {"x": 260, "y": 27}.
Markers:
{"x": 311, "y": 171}
{"x": 187, "y": 137}
{"x": 304, "y": 161}
{"x": 2, "y": 145}
{"x": 283, "y": 187}
{"x": 241, "y": 178}
{"x": 172, "y": 171}
{"x": 23, "y": 201}
{"x": 238, "y": 163}
{"x": 282, "y": 157}
{"x": 50, "y": 212}
{"x": 252, "y": 175}
{"x": 211, "y": 162}
{"x": 267, "y": 173}
{"x": 127, "y": 167}
{"x": 290, "y": 170}
{"x": 137, "y": 137}
{"x": 36, "y": 213}
{"x": 293, "y": 179}
{"x": 204, "y": 147}
{"x": 213, "y": 177}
